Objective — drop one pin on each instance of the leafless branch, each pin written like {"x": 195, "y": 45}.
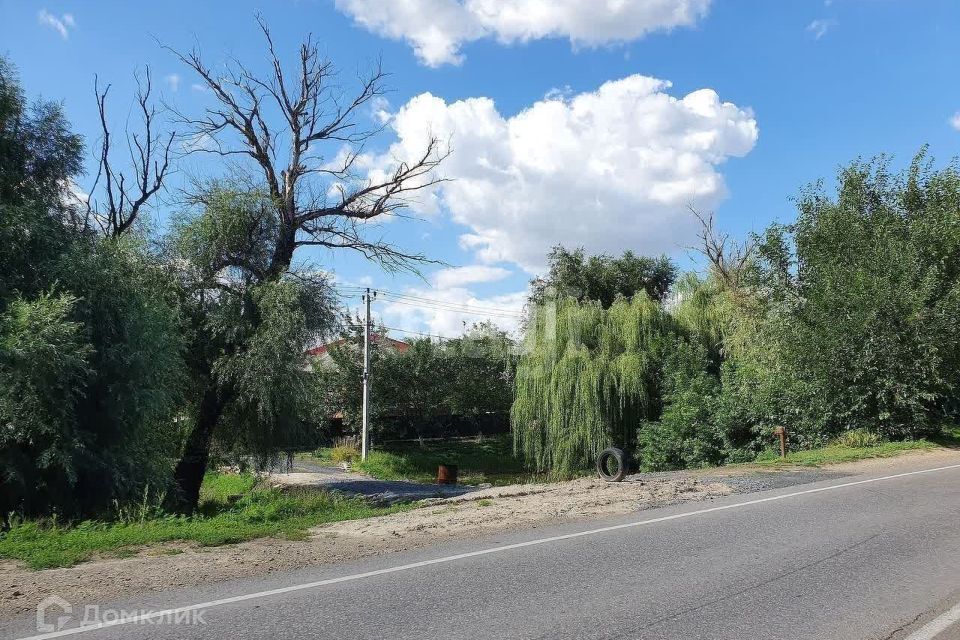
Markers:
{"x": 123, "y": 196}
{"x": 303, "y": 114}
{"x": 728, "y": 258}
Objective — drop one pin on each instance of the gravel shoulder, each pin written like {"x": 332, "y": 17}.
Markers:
{"x": 464, "y": 516}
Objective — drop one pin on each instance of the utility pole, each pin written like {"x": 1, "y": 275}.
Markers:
{"x": 366, "y": 375}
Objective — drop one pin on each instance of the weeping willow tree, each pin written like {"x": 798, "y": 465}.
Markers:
{"x": 587, "y": 378}
{"x": 591, "y": 377}
{"x": 703, "y": 310}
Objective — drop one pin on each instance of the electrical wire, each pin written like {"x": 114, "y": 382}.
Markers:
{"x": 433, "y": 304}
{"x": 419, "y": 333}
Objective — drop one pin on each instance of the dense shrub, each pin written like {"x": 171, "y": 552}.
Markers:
{"x": 687, "y": 434}
{"x": 90, "y": 356}
{"x": 862, "y": 299}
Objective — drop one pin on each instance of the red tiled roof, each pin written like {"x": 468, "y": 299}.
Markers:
{"x": 376, "y": 337}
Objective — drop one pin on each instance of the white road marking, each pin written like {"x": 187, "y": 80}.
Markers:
{"x": 936, "y": 626}
{"x": 172, "y": 613}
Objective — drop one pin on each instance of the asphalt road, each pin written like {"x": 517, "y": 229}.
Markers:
{"x": 847, "y": 561}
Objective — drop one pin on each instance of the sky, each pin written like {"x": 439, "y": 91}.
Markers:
{"x": 593, "y": 123}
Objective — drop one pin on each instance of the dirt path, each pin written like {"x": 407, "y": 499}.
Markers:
{"x": 472, "y": 514}
{"x": 311, "y": 474}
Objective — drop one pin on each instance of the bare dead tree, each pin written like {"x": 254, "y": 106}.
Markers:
{"x": 304, "y": 138}
{"x": 728, "y": 258}
{"x": 123, "y": 196}
{"x": 290, "y": 126}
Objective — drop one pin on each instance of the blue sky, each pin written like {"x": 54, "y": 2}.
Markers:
{"x": 558, "y": 133}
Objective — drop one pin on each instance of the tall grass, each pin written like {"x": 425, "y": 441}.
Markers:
{"x": 232, "y": 510}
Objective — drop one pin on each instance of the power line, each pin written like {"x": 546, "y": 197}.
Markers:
{"x": 419, "y": 333}
{"x": 465, "y": 305}
{"x": 409, "y": 296}
{"x": 435, "y": 304}
{"x": 457, "y": 309}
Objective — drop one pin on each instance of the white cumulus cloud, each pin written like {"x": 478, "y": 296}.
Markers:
{"x": 608, "y": 170}
{"x": 438, "y": 28}
{"x": 470, "y": 274}
{"x": 61, "y": 25}
{"x": 955, "y": 121}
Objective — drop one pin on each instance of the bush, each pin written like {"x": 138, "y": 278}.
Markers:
{"x": 686, "y": 434}
{"x": 344, "y": 453}
{"x": 858, "y": 438}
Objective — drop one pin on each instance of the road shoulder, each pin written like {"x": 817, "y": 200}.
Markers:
{"x": 458, "y": 518}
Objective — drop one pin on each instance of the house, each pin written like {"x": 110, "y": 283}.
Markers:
{"x": 320, "y": 356}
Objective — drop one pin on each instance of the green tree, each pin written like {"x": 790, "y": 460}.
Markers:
{"x": 862, "y": 295}
{"x": 426, "y": 382}
{"x": 602, "y": 277}
{"x": 246, "y": 333}
{"x": 89, "y": 351}
{"x": 306, "y": 200}
{"x": 587, "y": 378}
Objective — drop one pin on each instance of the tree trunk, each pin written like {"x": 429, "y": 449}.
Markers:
{"x": 283, "y": 251}
{"x": 193, "y": 463}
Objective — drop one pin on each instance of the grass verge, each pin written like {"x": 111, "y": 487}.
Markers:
{"x": 836, "y": 453}
{"x": 232, "y": 509}
{"x": 480, "y": 460}
{"x": 491, "y": 459}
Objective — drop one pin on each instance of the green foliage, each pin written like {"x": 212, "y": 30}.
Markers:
{"x": 136, "y": 385}
{"x": 90, "y": 365}
{"x": 846, "y": 321}
{"x": 233, "y": 511}
{"x": 862, "y": 298}
{"x": 424, "y": 383}
{"x": 267, "y": 377}
{"x": 858, "y": 438}
{"x": 44, "y": 368}
{"x": 687, "y": 434}
{"x": 587, "y": 377}
{"x": 247, "y": 333}
{"x": 602, "y": 278}
{"x": 344, "y": 453}
{"x": 37, "y": 149}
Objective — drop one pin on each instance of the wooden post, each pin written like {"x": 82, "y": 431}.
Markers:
{"x": 782, "y": 433}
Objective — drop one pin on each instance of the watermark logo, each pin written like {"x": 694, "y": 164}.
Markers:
{"x": 50, "y": 607}
{"x": 54, "y": 614}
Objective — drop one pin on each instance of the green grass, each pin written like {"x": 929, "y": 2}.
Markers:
{"x": 836, "y": 453}
{"x": 231, "y": 510}
{"x": 480, "y": 460}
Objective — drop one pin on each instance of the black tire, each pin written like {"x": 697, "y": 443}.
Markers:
{"x": 618, "y": 456}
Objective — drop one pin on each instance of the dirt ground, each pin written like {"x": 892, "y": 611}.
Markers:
{"x": 476, "y": 513}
